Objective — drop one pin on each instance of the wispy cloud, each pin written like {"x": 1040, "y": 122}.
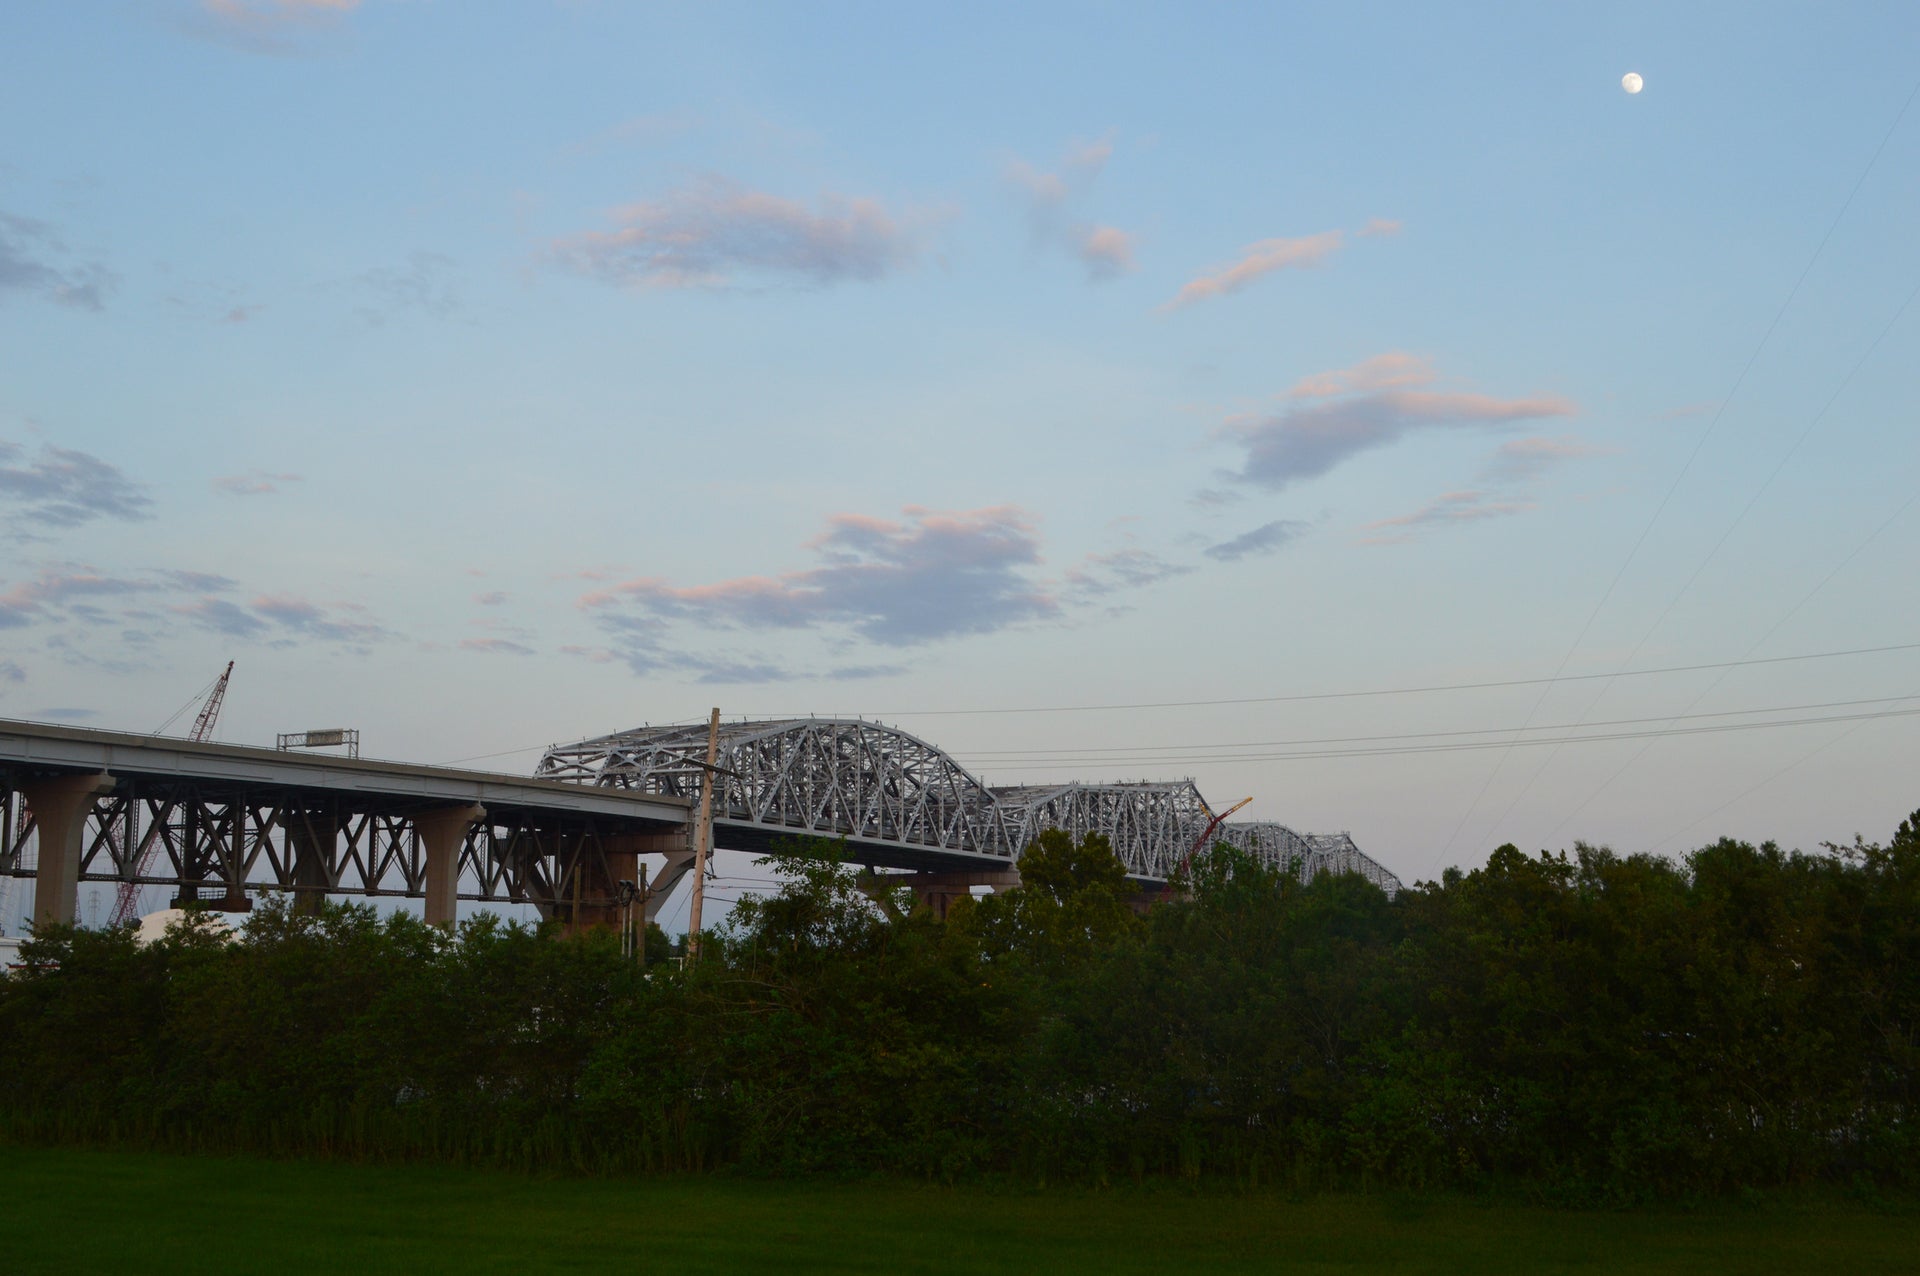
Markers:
{"x": 269, "y": 26}
{"x": 1261, "y": 540}
{"x": 718, "y": 234}
{"x": 12, "y": 672}
{"x": 427, "y": 284}
{"x": 34, "y": 262}
{"x": 1522, "y": 460}
{"x": 642, "y": 130}
{"x": 1507, "y": 486}
{"x": 496, "y": 646}
{"x": 1257, "y": 259}
{"x": 1266, "y": 256}
{"x": 1469, "y": 506}
{"x": 63, "y": 487}
{"x": 252, "y": 483}
{"x": 1097, "y": 575}
{"x": 931, "y": 575}
{"x": 1336, "y": 415}
{"x": 491, "y": 598}
{"x": 1104, "y": 251}
{"x": 73, "y": 591}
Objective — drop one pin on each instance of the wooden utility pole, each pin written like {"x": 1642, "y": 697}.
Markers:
{"x": 703, "y": 837}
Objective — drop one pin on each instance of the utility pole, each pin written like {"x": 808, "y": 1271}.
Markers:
{"x": 703, "y": 836}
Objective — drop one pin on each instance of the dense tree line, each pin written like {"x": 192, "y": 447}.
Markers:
{"x": 1592, "y": 1025}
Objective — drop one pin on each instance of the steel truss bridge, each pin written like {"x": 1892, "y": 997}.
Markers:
{"x": 213, "y": 822}
{"x": 903, "y": 803}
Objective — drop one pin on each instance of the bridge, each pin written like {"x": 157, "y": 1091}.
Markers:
{"x": 903, "y": 803}
{"x": 216, "y": 821}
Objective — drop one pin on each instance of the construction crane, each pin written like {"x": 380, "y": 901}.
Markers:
{"x": 126, "y": 905}
{"x": 1186, "y": 861}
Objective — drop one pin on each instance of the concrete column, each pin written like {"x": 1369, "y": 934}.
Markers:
{"x": 312, "y": 837}
{"x": 599, "y": 895}
{"x": 441, "y": 833}
{"x": 61, "y": 805}
{"x": 938, "y": 891}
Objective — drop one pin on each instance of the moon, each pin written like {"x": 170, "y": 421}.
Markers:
{"x": 1632, "y": 82}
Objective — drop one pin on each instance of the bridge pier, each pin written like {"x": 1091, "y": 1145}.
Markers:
{"x": 61, "y": 805}
{"x": 443, "y": 831}
{"x": 600, "y": 886}
{"x": 938, "y": 891}
{"x": 311, "y": 839}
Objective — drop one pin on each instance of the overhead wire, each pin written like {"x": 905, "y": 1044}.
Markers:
{"x": 1468, "y": 746}
{"x": 1685, "y": 588}
{"x": 1304, "y": 697}
{"x": 1169, "y": 750}
{"x": 1795, "y": 610}
{"x": 1699, "y": 443}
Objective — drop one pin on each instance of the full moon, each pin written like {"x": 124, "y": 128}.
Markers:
{"x": 1631, "y": 82}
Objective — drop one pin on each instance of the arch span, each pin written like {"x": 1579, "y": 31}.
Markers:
{"x": 904, "y": 803}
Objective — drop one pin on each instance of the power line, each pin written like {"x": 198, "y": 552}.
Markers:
{"x": 1300, "y": 697}
{"x": 1700, "y": 442}
{"x": 1469, "y": 746}
{"x": 1174, "y": 749}
{"x": 1702, "y": 566}
{"x": 1758, "y": 643}
{"x": 1798, "y": 762}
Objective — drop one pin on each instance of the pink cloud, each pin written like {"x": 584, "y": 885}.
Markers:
{"x": 1375, "y": 403}
{"x": 1105, "y": 251}
{"x": 269, "y": 26}
{"x": 1381, "y": 372}
{"x": 1458, "y": 507}
{"x": 714, "y": 232}
{"x": 933, "y": 574}
{"x": 495, "y": 646}
{"x": 1258, "y": 259}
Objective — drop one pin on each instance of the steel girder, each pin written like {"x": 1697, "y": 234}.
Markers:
{"x": 1150, "y": 824}
{"x": 872, "y": 784}
{"x": 831, "y": 777}
{"x": 219, "y": 845}
{"x": 1310, "y": 853}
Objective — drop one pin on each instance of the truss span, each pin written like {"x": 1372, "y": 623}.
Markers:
{"x": 905, "y": 803}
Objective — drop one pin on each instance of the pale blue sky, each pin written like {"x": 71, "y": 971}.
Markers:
{"x": 487, "y": 374}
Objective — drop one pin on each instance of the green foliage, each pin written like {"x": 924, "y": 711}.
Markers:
{"x": 1596, "y": 1027}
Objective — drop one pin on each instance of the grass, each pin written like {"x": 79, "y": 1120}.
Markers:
{"x": 68, "y": 1210}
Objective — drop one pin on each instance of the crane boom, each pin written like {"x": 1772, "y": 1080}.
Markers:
{"x": 1198, "y": 842}
{"x": 126, "y": 903}
{"x": 210, "y": 711}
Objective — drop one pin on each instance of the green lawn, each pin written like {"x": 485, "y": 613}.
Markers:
{"x": 79, "y": 1211}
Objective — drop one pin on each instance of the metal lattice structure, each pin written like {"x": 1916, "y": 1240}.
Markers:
{"x": 903, "y": 802}
{"x": 217, "y": 848}
{"x": 832, "y": 778}
{"x": 1151, "y": 825}
{"x": 1312, "y": 853}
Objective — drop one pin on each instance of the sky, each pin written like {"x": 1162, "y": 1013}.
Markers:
{"x": 484, "y": 375}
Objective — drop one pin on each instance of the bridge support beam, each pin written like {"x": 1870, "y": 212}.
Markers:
{"x": 61, "y": 805}
{"x": 442, "y": 833}
{"x": 312, "y": 837}
{"x": 660, "y": 886}
{"x": 599, "y": 895}
{"x": 938, "y": 891}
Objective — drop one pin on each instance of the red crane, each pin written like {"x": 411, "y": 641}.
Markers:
{"x": 126, "y": 905}
{"x": 1186, "y": 861}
